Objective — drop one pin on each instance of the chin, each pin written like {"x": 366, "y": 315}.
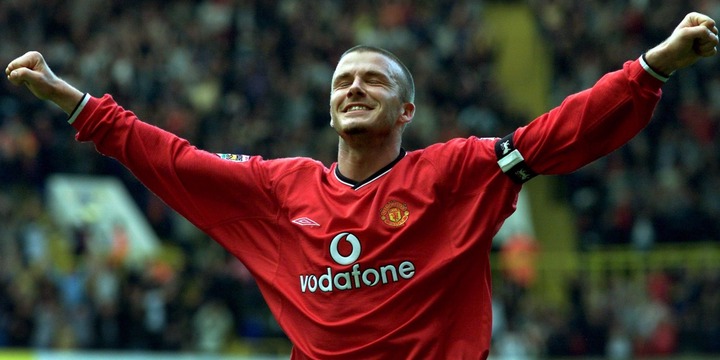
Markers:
{"x": 355, "y": 130}
{"x": 350, "y": 126}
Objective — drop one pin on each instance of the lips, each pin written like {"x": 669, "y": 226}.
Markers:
{"x": 356, "y": 107}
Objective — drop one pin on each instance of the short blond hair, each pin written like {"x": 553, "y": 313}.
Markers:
{"x": 406, "y": 82}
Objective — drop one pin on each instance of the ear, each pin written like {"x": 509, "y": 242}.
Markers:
{"x": 408, "y": 112}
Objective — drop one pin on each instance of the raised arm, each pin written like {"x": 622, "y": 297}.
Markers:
{"x": 595, "y": 122}
{"x": 198, "y": 184}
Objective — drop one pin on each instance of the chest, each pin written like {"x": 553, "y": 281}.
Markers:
{"x": 382, "y": 224}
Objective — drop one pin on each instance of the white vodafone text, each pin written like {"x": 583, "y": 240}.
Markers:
{"x": 356, "y": 277}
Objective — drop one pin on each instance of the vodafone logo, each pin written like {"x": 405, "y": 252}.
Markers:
{"x": 356, "y": 248}
{"x": 357, "y": 276}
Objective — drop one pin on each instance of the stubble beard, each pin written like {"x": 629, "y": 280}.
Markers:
{"x": 351, "y": 129}
{"x": 356, "y": 130}
{"x": 362, "y": 132}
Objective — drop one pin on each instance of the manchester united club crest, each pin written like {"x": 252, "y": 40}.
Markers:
{"x": 394, "y": 213}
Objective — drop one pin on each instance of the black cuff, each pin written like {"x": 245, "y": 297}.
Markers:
{"x": 511, "y": 162}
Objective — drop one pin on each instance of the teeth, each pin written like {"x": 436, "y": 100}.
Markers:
{"x": 357, "y": 107}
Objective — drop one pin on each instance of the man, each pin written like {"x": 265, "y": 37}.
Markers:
{"x": 385, "y": 253}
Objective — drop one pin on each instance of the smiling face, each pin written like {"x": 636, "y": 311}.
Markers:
{"x": 365, "y": 96}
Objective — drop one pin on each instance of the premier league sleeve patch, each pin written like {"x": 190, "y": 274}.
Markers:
{"x": 234, "y": 157}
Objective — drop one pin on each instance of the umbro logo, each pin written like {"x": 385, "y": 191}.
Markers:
{"x": 305, "y": 221}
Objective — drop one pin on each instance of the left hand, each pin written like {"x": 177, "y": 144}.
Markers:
{"x": 694, "y": 38}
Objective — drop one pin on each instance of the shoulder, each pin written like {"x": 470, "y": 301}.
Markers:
{"x": 281, "y": 167}
{"x": 458, "y": 157}
{"x": 461, "y": 165}
{"x": 272, "y": 170}
{"x": 279, "y": 163}
{"x": 292, "y": 163}
{"x": 460, "y": 149}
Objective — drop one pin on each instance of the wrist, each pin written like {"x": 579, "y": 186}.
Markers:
{"x": 650, "y": 70}
{"x": 658, "y": 63}
{"x": 73, "y": 115}
{"x": 66, "y": 96}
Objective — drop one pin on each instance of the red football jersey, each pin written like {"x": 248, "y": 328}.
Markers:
{"x": 394, "y": 267}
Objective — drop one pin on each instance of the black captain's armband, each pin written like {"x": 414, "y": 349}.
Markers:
{"x": 511, "y": 162}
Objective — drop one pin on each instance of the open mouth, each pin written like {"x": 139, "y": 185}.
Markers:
{"x": 356, "y": 107}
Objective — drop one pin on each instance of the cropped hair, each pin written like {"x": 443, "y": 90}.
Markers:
{"x": 406, "y": 82}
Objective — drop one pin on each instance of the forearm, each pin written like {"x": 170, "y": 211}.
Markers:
{"x": 592, "y": 123}
{"x": 197, "y": 184}
{"x": 65, "y": 96}
{"x": 151, "y": 154}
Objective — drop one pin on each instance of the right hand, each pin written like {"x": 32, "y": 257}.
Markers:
{"x": 32, "y": 71}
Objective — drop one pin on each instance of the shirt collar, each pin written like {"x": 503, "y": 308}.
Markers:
{"x": 358, "y": 184}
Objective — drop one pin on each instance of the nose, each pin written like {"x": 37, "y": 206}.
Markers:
{"x": 356, "y": 88}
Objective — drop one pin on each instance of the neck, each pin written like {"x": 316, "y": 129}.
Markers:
{"x": 360, "y": 162}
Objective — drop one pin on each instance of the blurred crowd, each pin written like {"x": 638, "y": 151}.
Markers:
{"x": 658, "y": 314}
{"x": 253, "y": 77}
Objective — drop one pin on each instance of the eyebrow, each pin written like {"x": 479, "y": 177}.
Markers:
{"x": 368, "y": 73}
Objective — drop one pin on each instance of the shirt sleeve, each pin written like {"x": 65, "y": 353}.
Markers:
{"x": 205, "y": 188}
{"x": 591, "y": 123}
